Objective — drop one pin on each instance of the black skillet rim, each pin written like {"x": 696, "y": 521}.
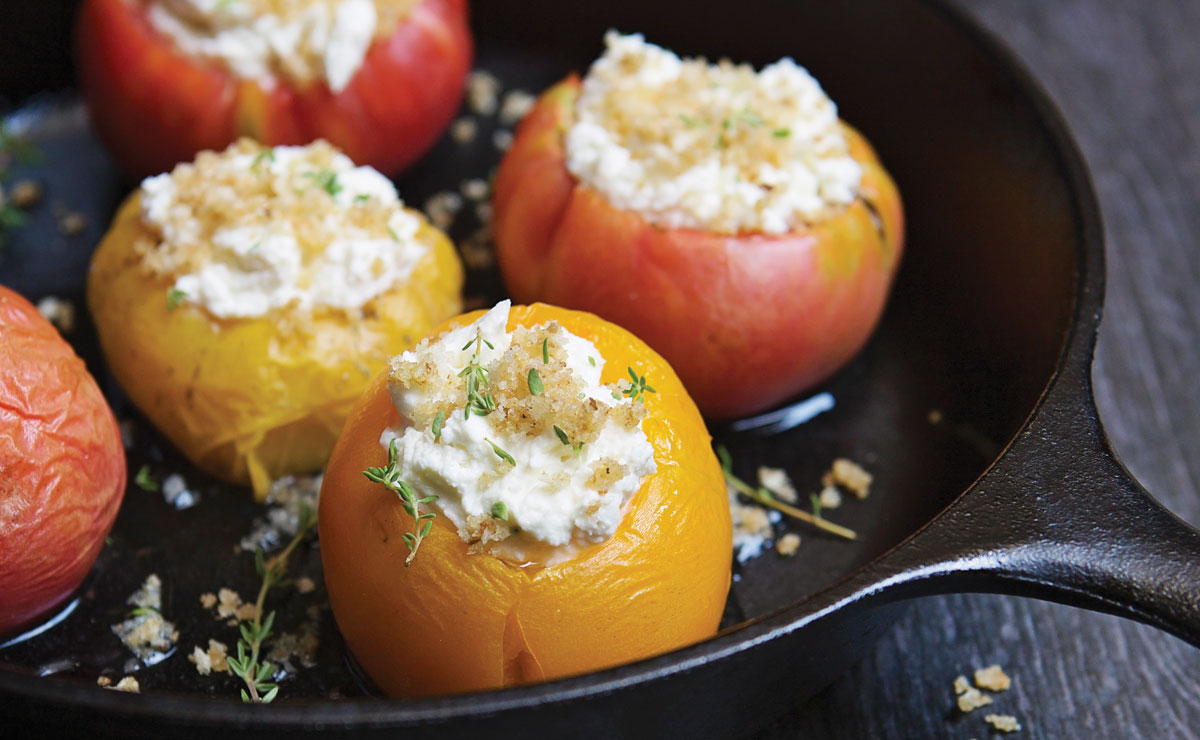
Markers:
{"x": 366, "y": 713}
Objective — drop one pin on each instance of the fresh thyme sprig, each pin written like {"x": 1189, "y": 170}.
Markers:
{"x": 762, "y": 496}
{"x": 639, "y": 389}
{"x": 246, "y": 666}
{"x": 389, "y": 476}
{"x": 478, "y": 402}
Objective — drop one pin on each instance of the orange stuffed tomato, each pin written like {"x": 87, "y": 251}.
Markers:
{"x": 570, "y": 513}
{"x": 245, "y": 301}
{"x": 164, "y": 80}
{"x": 62, "y": 468}
{"x": 726, "y": 217}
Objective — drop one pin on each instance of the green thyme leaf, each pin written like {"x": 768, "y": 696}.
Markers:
{"x": 175, "y": 298}
{"x": 327, "y": 180}
{"x": 145, "y": 479}
{"x": 438, "y": 420}
{"x": 546, "y": 351}
{"x": 500, "y": 511}
{"x": 501, "y": 453}
{"x": 267, "y": 154}
{"x": 781, "y": 133}
{"x": 535, "y": 382}
{"x": 562, "y": 436}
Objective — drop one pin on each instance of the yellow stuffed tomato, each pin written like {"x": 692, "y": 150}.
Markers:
{"x": 244, "y": 301}
{"x": 570, "y": 514}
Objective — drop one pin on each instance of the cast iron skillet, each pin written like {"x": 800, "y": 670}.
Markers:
{"x": 992, "y": 325}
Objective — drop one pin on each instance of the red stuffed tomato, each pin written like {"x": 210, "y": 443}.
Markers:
{"x": 746, "y": 318}
{"x": 62, "y": 468}
{"x": 162, "y": 85}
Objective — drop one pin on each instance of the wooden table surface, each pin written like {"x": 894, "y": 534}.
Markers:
{"x": 1127, "y": 78}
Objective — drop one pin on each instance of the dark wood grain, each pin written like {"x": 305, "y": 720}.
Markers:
{"x": 1127, "y": 78}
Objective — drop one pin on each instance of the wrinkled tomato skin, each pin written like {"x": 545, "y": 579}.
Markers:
{"x": 62, "y": 467}
{"x": 154, "y": 107}
{"x": 746, "y": 320}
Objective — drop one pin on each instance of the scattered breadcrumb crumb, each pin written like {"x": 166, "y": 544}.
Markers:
{"x": 830, "y": 497}
{"x": 176, "y": 493}
{"x": 502, "y": 139}
{"x": 474, "y": 189}
{"x": 935, "y": 416}
{"x": 751, "y": 527}
{"x": 852, "y": 476}
{"x": 208, "y": 600}
{"x": 25, "y": 194}
{"x": 442, "y": 207}
{"x": 305, "y": 585}
{"x": 287, "y": 497}
{"x": 515, "y": 105}
{"x": 483, "y": 91}
{"x": 1003, "y": 722}
{"x": 146, "y": 633}
{"x": 128, "y": 683}
{"x": 228, "y": 602}
{"x": 103, "y": 681}
{"x": 464, "y": 130}
{"x": 972, "y": 699}
{"x": 477, "y": 251}
{"x": 216, "y": 658}
{"x": 961, "y": 685}
{"x": 302, "y": 645}
{"x": 59, "y": 312}
{"x": 788, "y": 544}
{"x": 72, "y": 223}
{"x": 992, "y": 678}
{"x": 776, "y": 481}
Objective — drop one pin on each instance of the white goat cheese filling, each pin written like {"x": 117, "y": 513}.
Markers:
{"x": 266, "y": 39}
{"x": 251, "y": 230}
{"x": 718, "y": 148}
{"x": 541, "y": 475}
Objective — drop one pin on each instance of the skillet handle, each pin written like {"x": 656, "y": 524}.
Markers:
{"x": 1058, "y": 517}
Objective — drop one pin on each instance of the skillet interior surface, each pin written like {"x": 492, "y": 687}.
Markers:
{"x": 974, "y": 330}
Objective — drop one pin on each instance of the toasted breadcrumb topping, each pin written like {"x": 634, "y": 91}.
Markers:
{"x": 253, "y": 229}
{"x": 720, "y": 148}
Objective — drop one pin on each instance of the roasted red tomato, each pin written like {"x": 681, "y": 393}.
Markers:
{"x": 747, "y": 319}
{"x": 62, "y": 468}
{"x": 155, "y": 105}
